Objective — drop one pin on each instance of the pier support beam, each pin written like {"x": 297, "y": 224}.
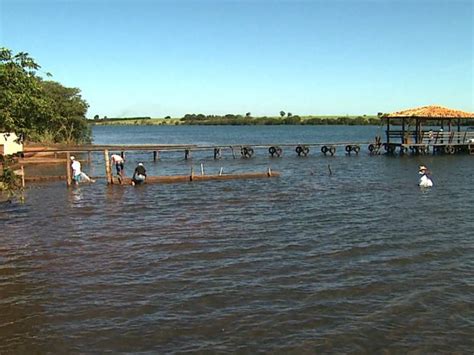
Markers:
{"x": 68, "y": 169}
{"x": 108, "y": 173}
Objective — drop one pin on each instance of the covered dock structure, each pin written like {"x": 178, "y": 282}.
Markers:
{"x": 429, "y": 129}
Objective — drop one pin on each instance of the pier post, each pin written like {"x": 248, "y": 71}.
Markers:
{"x": 155, "y": 155}
{"x": 22, "y": 177}
{"x": 108, "y": 173}
{"x": 187, "y": 154}
{"x": 68, "y": 169}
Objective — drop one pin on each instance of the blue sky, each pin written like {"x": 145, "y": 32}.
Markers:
{"x": 159, "y": 58}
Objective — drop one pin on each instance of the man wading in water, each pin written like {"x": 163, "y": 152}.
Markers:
{"x": 118, "y": 161}
{"x": 77, "y": 174}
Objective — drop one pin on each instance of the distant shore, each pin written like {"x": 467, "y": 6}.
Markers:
{"x": 237, "y": 120}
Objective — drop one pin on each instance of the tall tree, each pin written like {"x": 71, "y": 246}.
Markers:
{"x": 68, "y": 123}
{"x": 34, "y": 109}
{"x": 23, "y": 107}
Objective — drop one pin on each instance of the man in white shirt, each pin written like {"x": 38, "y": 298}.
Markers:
{"x": 425, "y": 181}
{"x": 77, "y": 174}
{"x": 118, "y": 161}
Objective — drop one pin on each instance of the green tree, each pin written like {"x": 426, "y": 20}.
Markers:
{"x": 38, "y": 110}
{"x": 23, "y": 107}
{"x": 282, "y": 113}
{"x": 68, "y": 123}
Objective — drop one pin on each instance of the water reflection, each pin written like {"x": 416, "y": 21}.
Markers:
{"x": 75, "y": 195}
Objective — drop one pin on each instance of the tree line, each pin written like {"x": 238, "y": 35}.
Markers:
{"x": 39, "y": 110}
{"x": 284, "y": 119}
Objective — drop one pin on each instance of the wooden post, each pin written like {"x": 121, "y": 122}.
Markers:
{"x": 154, "y": 155}
{"x": 191, "y": 177}
{"x": 22, "y": 177}
{"x": 187, "y": 154}
{"x": 68, "y": 169}
{"x": 202, "y": 169}
{"x": 108, "y": 174}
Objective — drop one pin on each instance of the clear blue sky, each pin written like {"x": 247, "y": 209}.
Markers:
{"x": 158, "y": 58}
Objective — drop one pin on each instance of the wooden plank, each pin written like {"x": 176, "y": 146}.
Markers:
{"x": 188, "y": 178}
{"x": 45, "y": 178}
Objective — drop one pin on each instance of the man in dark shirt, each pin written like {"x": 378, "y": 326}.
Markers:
{"x": 139, "y": 175}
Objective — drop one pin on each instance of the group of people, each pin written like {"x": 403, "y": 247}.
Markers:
{"x": 139, "y": 175}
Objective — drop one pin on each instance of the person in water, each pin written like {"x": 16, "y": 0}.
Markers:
{"x": 425, "y": 180}
{"x": 77, "y": 174}
{"x": 118, "y": 161}
{"x": 139, "y": 175}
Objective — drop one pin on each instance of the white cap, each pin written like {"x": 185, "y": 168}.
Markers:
{"x": 73, "y": 157}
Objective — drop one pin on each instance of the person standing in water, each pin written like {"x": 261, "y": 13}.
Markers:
{"x": 77, "y": 174}
{"x": 139, "y": 175}
{"x": 425, "y": 180}
{"x": 118, "y": 161}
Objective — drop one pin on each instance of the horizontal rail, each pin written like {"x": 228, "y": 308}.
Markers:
{"x": 178, "y": 147}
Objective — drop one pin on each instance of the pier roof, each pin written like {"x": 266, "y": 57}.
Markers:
{"x": 430, "y": 112}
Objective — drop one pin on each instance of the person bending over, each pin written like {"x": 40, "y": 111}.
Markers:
{"x": 118, "y": 161}
{"x": 77, "y": 174}
{"x": 139, "y": 175}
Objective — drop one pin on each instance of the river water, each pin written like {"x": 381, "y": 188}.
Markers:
{"x": 359, "y": 260}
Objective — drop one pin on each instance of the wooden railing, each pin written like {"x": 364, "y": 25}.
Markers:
{"x": 443, "y": 138}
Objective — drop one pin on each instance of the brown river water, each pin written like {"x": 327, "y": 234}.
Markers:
{"x": 358, "y": 261}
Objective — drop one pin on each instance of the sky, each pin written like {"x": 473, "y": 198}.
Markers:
{"x": 168, "y": 58}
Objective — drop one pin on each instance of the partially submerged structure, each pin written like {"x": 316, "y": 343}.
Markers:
{"x": 429, "y": 129}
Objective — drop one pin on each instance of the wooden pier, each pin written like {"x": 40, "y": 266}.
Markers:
{"x": 429, "y": 130}
{"x": 57, "y": 154}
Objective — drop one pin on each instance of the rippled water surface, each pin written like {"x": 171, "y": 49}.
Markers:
{"x": 360, "y": 260}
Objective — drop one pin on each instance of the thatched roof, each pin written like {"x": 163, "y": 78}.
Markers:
{"x": 430, "y": 112}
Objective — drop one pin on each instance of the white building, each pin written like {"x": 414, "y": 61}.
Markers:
{"x": 9, "y": 144}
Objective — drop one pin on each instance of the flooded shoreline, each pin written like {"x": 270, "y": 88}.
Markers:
{"x": 358, "y": 261}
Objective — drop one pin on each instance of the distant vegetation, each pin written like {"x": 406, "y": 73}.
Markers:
{"x": 247, "y": 119}
{"x": 108, "y": 119}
